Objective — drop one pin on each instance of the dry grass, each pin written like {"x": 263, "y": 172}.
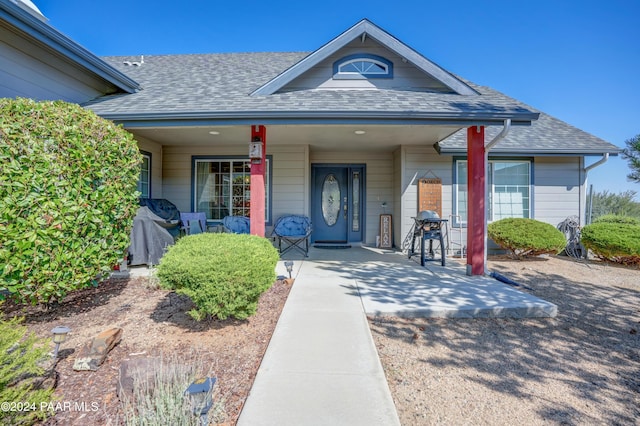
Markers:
{"x": 582, "y": 367}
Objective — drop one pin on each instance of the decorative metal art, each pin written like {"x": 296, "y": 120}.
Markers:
{"x": 330, "y": 200}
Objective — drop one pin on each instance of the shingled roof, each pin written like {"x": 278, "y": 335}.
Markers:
{"x": 547, "y": 135}
{"x": 220, "y": 86}
{"x": 233, "y": 88}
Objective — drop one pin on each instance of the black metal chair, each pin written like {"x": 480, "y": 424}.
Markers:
{"x": 294, "y": 231}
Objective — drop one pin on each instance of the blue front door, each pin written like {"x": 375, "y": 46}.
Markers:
{"x": 336, "y": 205}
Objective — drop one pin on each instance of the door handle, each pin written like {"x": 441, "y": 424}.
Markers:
{"x": 345, "y": 207}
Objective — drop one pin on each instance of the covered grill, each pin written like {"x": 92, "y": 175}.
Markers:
{"x": 428, "y": 227}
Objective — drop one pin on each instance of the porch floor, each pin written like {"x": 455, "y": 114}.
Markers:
{"x": 390, "y": 284}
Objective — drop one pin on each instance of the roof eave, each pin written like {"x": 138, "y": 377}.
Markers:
{"x": 41, "y": 31}
{"x": 532, "y": 152}
{"x": 319, "y": 117}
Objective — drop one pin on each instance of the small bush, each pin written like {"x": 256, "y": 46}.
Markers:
{"x": 526, "y": 237}
{"x": 67, "y": 197}
{"x": 614, "y": 218}
{"x": 158, "y": 396}
{"x": 20, "y": 354}
{"x": 223, "y": 274}
{"x": 617, "y": 242}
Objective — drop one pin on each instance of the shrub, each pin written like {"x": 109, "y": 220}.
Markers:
{"x": 614, "y": 218}
{"x": 526, "y": 237}
{"x": 67, "y": 197}
{"x": 223, "y": 274}
{"x": 19, "y": 356}
{"x": 617, "y": 242}
{"x": 158, "y": 394}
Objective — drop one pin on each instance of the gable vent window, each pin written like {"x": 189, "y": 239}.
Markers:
{"x": 362, "y": 66}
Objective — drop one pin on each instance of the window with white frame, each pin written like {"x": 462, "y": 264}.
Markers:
{"x": 509, "y": 189}
{"x": 362, "y": 66}
{"x": 222, "y": 187}
{"x": 144, "y": 181}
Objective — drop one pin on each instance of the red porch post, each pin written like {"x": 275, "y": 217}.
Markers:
{"x": 258, "y": 168}
{"x": 476, "y": 221}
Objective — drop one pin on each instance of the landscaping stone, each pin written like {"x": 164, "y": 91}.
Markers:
{"x": 140, "y": 369}
{"x": 93, "y": 354}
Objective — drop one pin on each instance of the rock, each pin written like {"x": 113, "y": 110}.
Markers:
{"x": 93, "y": 354}
{"x": 136, "y": 369}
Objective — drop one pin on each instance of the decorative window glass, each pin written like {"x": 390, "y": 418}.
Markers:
{"x": 362, "y": 66}
{"x": 144, "y": 182}
{"x": 509, "y": 189}
{"x": 222, "y": 187}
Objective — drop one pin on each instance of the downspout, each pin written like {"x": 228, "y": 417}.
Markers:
{"x": 505, "y": 130}
{"x": 601, "y": 161}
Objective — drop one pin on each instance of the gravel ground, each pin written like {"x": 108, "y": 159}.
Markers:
{"x": 154, "y": 323}
{"x": 582, "y": 367}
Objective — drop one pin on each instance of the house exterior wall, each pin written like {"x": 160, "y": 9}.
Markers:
{"x": 398, "y": 179}
{"x": 39, "y": 76}
{"x": 391, "y": 177}
{"x": 405, "y": 75}
{"x": 378, "y": 187}
{"x": 558, "y": 189}
{"x": 423, "y": 161}
{"x": 155, "y": 149}
{"x": 290, "y": 175}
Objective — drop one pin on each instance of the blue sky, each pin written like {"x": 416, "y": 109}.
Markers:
{"x": 576, "y": 60}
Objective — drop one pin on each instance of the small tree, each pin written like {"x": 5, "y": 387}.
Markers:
{"x": 67, "y": 197}
{"x": 622, "y": 204}
{"x": 20, "y": 355}
{"x": 632, "y": 154}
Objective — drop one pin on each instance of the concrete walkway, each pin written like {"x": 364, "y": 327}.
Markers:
{"x": 322, "y": 367}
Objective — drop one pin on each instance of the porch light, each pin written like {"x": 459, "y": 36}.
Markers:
{"x": 59, "y": 335}
{"x": 359, "y": 132}
{"x": 289, "y": 265}
{"x": 200, "y": 393}
{"x": 214, "y": 132}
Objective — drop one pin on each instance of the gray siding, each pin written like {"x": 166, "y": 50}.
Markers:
{"x": 289, "y": 175}
{"x": 423, "y": 161}
{"x": 156, "y": 164}
{"x": 27, "y": 71}
{"x": 406, "y": 75}
{"x": 558, "y": 189}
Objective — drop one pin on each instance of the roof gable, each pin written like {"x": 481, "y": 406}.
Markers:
{"x": 361, "y": 31}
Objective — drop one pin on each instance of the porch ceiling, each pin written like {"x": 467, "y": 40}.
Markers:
{"x": 318, "y": 137}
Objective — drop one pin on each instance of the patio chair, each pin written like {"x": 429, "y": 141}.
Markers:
{"x": 294, "y": 231}
{"x": 236, "y": 224}
{"x": 197, "y": 219}
{"x": 194, "y": 227}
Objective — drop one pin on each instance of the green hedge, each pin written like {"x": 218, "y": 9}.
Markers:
{"x": 614, "y": 218}
{"x": 223, "y": 274}
{"x": 617, "y": 242}
{"x": 526, "y": 237}
{"x": 67, "y": 197}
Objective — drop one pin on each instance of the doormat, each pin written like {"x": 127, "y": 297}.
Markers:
{"x": 332, "y": 246}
